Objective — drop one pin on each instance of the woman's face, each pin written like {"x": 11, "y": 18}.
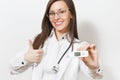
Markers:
{"x": 59, "y": 16}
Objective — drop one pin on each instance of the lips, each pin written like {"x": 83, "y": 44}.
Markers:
{"x": 58, "y": 23}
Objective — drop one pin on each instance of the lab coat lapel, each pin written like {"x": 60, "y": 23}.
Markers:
{"x": 64, "y": 62}
{"x": 64, "y": 47}
{"x": 63, "y": 66}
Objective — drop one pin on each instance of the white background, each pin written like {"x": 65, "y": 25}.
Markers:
{"x": 98, "y": 22}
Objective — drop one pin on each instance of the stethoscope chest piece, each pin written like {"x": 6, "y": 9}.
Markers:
{"x": 55, "y": 68}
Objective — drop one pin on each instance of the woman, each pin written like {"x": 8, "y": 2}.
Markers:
{"x": 50, "y": 53}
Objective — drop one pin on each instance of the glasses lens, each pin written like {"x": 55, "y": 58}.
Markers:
{"x": 51, "y": 14}
{"x": 59, "y": 13}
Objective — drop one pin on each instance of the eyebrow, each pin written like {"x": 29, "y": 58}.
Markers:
{"x": 57, "y": 10}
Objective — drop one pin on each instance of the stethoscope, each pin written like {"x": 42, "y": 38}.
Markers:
{"x": 55, "y": 68}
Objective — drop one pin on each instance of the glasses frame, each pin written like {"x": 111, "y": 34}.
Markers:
{"x": 58, "y": 13}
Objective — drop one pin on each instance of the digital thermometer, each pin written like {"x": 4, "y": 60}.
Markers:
{"x": 80, "y": 54}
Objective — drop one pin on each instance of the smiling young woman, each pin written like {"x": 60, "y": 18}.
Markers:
{"x": 50, "y": 52}
{"x": 60, "y": 16}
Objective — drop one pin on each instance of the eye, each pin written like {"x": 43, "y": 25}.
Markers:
{"x": 62, "y": 11}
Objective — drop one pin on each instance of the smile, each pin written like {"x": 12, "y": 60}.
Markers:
{"x": 58, "y": 23}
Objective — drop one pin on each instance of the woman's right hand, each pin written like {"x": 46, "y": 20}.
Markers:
{"x": 33, "y": 55}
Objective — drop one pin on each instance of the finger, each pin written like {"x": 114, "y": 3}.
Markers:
{"x": 38, "y": 59}
{"x": 39, "y": 54}
{"x": 84, "y": 47}
{"x": 93, "y": 51}
{"x": 81, "y": 58}
{"x": 92, "y": 46}
{"x": 40, "y": 50}
{"x": 30, "y": 44}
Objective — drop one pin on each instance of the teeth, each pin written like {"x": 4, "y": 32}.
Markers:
{"x": 58, "y": 22}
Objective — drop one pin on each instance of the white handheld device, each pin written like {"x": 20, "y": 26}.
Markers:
{"x": 80, "y": 54}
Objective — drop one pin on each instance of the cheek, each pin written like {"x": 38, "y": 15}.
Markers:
{"x": 51, "y": 21}
{"x": 67, "y": 20}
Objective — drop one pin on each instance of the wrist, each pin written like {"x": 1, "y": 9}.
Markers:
{"x": 98, "y": 69}
{"x": 95, "y": 68}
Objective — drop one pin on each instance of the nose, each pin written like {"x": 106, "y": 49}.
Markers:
{"x": 56, "y": 16}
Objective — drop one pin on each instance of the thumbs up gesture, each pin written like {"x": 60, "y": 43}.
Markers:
{"x": 33, "y": 55}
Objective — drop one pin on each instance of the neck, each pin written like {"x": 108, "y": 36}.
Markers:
{"x": 59, "y": 34}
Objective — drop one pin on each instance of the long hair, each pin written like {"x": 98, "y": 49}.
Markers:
{"x": 47, "y": 26}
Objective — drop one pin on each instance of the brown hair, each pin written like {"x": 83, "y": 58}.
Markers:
{"x": 47, "y": 26}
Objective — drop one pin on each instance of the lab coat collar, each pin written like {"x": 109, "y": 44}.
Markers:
{"x": 64, "y": 36}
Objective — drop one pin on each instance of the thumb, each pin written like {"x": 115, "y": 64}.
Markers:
{"x": 30, "y": 44}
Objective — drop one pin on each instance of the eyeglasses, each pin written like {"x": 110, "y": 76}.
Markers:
{"x": 59, "y": 13}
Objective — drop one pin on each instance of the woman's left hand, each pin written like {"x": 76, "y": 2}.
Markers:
{"x": 92, "y": 60}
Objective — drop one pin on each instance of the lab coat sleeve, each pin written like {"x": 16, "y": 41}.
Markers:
{"x": 18, "y": 64}
{"x": 92, "y": 74}
{"x": 97, "y": 74}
